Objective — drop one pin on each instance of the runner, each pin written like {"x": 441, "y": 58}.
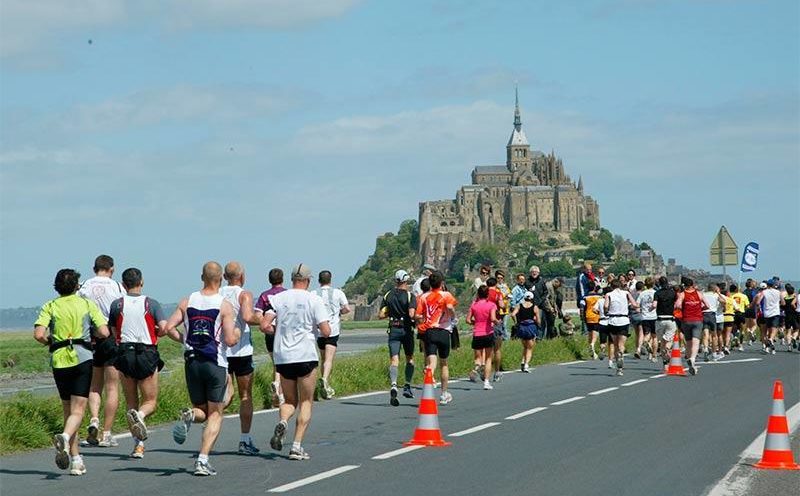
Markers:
{"x": 299, "y": 314}
{"x": 336, "y": 304}
{"x": 275, "y": 277}
{"x": 240, "y": 356}
{"x": 729, "y": 312}
{"x": 750, "y": 323}
{"x": 691, "y": 305}
{"x": 103, "y": 290}
{"x": 526, "y": 317}
{"x": 770, "y": 298}
{"x": 136, "y": 321}
{"x": 592, "y": 316}
{"x": 636, "y": 318}
{"x": 436, "y": 315}
{"x": 581, "y": 290}
{"x": 712, "y": 330}
{"x": 500, "y": 334}
{"x": 664, "y": 305}
{"x": 482, "y": 316}
{"x": 64, "y": 326}
{"x": 616, "y": 305}
{"x": 399, "y": 306}
{"x": 505, "y": 294}
{"x": 606, "y": 341}
{"x": 791, "y": 305}
{"x": 740, "y": 307}
{"x": 209, "y": 324}
{"x": 427, "y": 270}
{"x": 646, "y": 300}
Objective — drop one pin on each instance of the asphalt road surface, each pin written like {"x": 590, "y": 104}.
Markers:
{"x": 564, "y": 429}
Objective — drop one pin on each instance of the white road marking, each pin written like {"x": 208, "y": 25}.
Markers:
{"x": 572, "y": 363}
{"x": 474, "y": 429}
{"x": 658, "y": 376}
{"x": 603, "y": 391}
{"x": 526, "y": 413}
{"x": 737, "y": 480}
{"x": 568, "y": 400}
{"x": 392, "y": 454}
{"x": 363, "y": 395}
{"x": 633, "y": 383}
{"x": 741, "y": 360}
{"x": 313, "y": 478}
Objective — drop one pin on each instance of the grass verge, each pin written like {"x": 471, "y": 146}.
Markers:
{"x": 28, "y": 422}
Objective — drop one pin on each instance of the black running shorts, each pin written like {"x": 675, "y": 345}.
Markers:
{"x": 205, "y": 380}
{"x": 240, "y": 366}
{"x": 400, "y": 337}
{"x": 105, "y": 352}
{"x": 137, "y": 360}
{"x": 294, "y": 371}
{"x": 649, "y": 326}
{"x": 619, "y": 330}
{"x": 74, "y": 381}
{"x": 483, "y": 342}
{"x": 437, "y": 342}
{"x": 323, "y": 342}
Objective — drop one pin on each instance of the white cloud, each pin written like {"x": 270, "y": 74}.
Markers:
{"x": 34, "y": 26}
{"x": 279, "y": 14}
{"x": 178, "y": 104}
{"x": 27, "y": 26}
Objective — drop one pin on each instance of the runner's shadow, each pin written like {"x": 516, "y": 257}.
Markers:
{"x": 173, "y": 450}
{"x": 46, "y": 475}
{"x": 264, "y": 455}
{"x": 95, "y": 454}
{"x": 379, "y": 405}
{"x": 160, "y": 472}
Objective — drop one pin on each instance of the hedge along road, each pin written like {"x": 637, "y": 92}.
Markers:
{"x": 563, "y": 429}
{"x": 352, "y": 341}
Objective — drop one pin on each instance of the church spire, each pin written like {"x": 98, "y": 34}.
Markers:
{"x": 517, "y": 118}
{"x": 580, "y": 183}
{"x": 518, "y": 137}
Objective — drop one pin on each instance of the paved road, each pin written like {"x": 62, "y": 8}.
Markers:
{"x": 639, "y": 434}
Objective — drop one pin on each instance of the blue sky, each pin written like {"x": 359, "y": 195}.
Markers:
{"x": 278, "y": 131}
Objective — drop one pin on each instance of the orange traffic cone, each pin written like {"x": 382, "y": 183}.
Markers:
{"x": 675, "y": 363}
{"x": 777, "y": 450}
{"x": 428, "y": 432}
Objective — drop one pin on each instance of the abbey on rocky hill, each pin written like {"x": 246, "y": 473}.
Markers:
{"x": 530, "y": 192}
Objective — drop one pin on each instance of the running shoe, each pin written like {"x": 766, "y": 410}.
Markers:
{"x": 393, "y": 397}
{"x": 526, "y": 368}
{"x": 136, "y": 424}
{"x": 407, "y": 391}
{"x": 741, "y": 348}
{"x": 473, "y": 375}
{"x": 61, "y": 442}
{"x": 726, "y": 351}
{"x": 108, "y": 442}
{"x": 610, "y": 363}
{"x": 619, "y": 372}
{"x": 181, "y": 428}
{"x": 299, "y": 454}
{"x": 522, "y": 367}
{"x": 692, "y": 369}
{"x": 487, "y": 386}
{"x": 445, "y": 398}
{"x": 77, "y": 467}
{"x": 276, "y": 441}
{"x": 620, "y": 363}
{"x": 706, "y": 356}
{"x": 637, "y": 355}
{"x": 203, "y": 469}
{"x": 247, "y": 448}
{"x": 594, "y": 356}
{"x": 138, "y": 451}
{"x": 326, "y": 391}
{"x": 497, "y": 376}
{"x": 93, "y": 432}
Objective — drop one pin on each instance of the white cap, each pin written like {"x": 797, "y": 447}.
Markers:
{"x": 763, "y": 285}
{"x": 528, "y": 295}
{"x": 401, "y": 276}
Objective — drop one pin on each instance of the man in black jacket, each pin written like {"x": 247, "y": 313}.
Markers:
{"x": 537, "y": 286}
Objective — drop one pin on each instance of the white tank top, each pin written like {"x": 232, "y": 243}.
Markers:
{"x": 618, "y": 308}
{"x": 244, "y": 347}
{"x": 203, "y": 327}
{"x": 772, "y": 302}
{"x": 138, "y": 324}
